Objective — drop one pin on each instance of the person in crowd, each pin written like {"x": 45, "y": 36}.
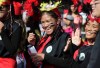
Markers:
{"x": 50, "y": 43}
{"x": 73, "y": 10}
{"x": 10, "y": 36}
{"x": 31, "y": 27}
{"x": 95, "y": 54}
{"x": 68, "y": 24}
{"x": 31, "y": 16}
{"x": 77, "y": 57}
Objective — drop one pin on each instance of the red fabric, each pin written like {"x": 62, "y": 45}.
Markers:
{"x": 43, "y": 43}
{"x": 86, "y": 1}
{"x": 85, "y": 43}
{"x": 75, "y": 2}
{"x": 94, "y": 19}
{"x": 7, "y": 63}
{"x": 17, "y": 7}
{"x": 80, "y": 8}
{"x": 33, "y": 1}
{"x": 97, "y": 19}
{"x": 65, "y": 11}
{"x": 28, "y": 6}
{"x": 75, "y": 54}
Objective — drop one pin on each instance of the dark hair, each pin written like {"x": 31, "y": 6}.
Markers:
{"x": 58, "y": 30}
{"x": 51, "y": 13}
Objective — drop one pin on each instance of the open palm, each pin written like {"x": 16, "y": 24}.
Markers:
{"x": 76, "y": 37}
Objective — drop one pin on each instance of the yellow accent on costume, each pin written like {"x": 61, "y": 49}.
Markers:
{"x": 49, "y": 6}
{"x": 1, "y": 1}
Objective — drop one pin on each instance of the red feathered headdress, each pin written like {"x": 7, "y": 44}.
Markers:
{"x": 17, "y": 8}
{"x": 28, "y": 6}
{"x": 94, "y": 19}
{"x": 86, "y": 1}
{"x": 75, "y": 2}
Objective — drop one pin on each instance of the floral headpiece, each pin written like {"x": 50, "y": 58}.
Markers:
{"x": 49, "y": 6}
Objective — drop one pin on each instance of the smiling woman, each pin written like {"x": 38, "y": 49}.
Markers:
{"x": 81, "y": 55}
{"x": 49, "y": 22}
{"x": 91, "y": 29}
{"x": 50, "y": 44}
{"x": 95, "y": 54}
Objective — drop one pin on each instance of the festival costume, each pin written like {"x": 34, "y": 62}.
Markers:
{"x": 53, "y": 48}
{"x": 95, "y": 54}
{"x": 79, "y": 60}
{"x": 9, "y": 43}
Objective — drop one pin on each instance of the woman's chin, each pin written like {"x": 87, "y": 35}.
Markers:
{"x": 95, "y": 14}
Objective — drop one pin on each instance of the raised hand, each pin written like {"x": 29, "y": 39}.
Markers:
{"x": 67, "y": 45}
{"x": 76, "y": 37}
{"x": 31, "y": 38}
